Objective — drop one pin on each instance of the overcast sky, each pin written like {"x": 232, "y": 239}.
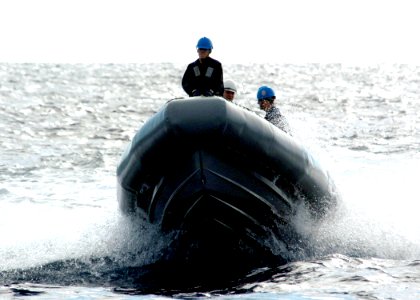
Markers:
{"x": 290, "y": 31}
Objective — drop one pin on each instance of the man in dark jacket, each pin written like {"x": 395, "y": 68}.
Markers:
{"x": 204, "y": 77}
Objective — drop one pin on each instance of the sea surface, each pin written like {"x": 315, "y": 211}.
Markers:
{"x": 63, "y": 128}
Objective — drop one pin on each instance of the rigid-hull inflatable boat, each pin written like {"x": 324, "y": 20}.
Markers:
{"x": 224, "y": 182}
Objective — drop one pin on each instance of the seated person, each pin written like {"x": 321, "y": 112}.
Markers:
{"x": 266, "y": 97}
{"x": 229, "y": 90}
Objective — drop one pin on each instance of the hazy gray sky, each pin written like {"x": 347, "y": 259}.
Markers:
{"x": 295, "y": 31}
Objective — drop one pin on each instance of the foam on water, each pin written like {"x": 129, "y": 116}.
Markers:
{"x": 378, "y": 216}
{"x": 43, "y": 234}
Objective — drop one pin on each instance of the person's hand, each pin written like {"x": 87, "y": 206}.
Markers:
{"x": 208, "y": 93}
{"x": 196, "y": 93}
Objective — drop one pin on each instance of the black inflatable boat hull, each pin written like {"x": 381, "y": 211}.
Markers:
{"x": 225, "y": 181}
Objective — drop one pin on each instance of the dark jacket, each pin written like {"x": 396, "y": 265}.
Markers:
{"x": 203, "y": 78}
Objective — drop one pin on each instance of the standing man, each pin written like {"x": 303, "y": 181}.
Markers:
{"x": 229, "y": 90}
{"x": 266, "y": 97}
{"x": 204, "y": 77}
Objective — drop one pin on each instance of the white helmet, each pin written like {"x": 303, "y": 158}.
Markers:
{"x": 229, "y": 85}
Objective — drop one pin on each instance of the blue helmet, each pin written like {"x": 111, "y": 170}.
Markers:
{"x": 265, "y": 92}
{"x": 204, "y": 43}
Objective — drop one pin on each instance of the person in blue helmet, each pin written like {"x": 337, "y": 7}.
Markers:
{"x": 203, "y": 77}
{"x": 266, "y": 97}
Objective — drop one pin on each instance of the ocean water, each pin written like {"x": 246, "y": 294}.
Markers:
{"x": 63, "y": 128}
